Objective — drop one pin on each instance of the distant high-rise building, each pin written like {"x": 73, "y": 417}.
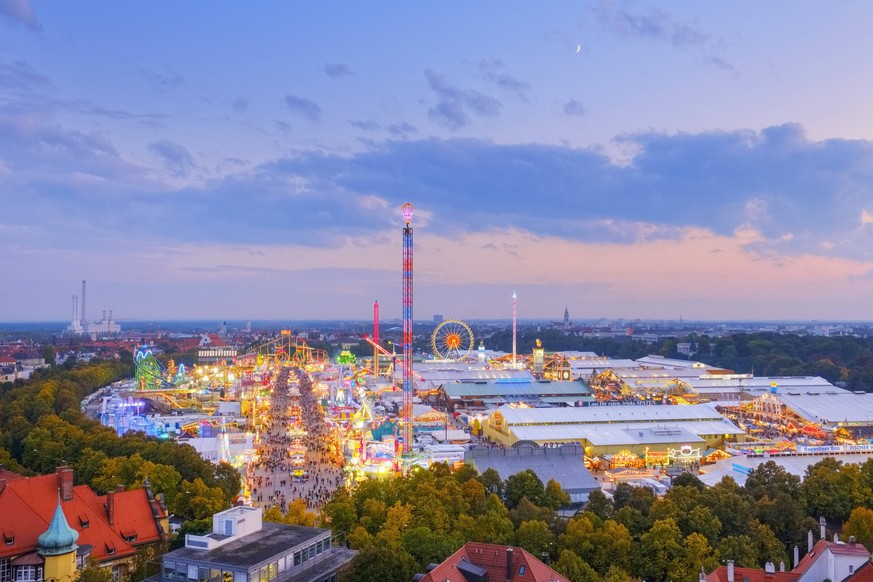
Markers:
{"x": 566, "y": 319}
{"x": 438, "y": 318}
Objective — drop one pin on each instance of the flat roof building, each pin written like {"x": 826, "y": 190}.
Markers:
{"x": 242, "y": 548}
{"x": 614, "y": 428}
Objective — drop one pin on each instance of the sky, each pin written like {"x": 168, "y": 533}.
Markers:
{"x": 623, "y": 159}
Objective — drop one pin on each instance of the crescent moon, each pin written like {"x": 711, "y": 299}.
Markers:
{"x": 578, "y": 48}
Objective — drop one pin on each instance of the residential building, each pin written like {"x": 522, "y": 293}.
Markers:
{"x": 109, "y": 528}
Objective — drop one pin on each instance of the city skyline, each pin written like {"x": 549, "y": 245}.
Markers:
{"x": 623, "y": 159}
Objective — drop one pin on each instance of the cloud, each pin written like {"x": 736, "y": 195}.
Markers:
{"x": 455, "y": 105}
{"x": 303, "y": 107}
{"x": 493, "y": 72}
{"x": 20, "y": 12}
{"x": 163, "y": 80}
{"x": 654, "y": 24}
{"x": 401, "y": 129}
{"x": 173, "y": 156}
{"x": 337, "y": 70}
{"x": 240, "y": 104}
{"x": 574, "y": 107}
{"x": 866, "y": 217}
{"x": 22, "y": 76}
{"x": 368, "y": 125}
{"x": 720, "y": 63}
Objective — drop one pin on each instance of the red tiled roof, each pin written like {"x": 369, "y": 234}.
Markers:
{"x": 862, "y": 574}
{"x": 750, "y": 574}
{"x": 492, "y": 557}
{"x": 27, "y": 505}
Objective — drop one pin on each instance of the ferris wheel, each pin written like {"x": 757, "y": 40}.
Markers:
{"x": 452, "y": 340}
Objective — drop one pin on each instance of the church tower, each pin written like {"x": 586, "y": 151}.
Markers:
{"x": 57, "y": 546}
{"x": 566, "y": 319}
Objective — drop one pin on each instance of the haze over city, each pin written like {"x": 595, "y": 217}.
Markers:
{"x": 622, "y": 159}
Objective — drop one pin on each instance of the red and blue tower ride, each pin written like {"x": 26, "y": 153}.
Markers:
{"x": 408, "y": 386}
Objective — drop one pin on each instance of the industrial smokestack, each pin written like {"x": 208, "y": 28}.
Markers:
{"x": 104, "y": 315}
{"x": 82, "y": 318}
{"x": 75, "y": 309}
{"x": 110, "y": 315}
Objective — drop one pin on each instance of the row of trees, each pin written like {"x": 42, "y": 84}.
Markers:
{"x": 42, "y": 427}
{"x": 400, "y": 526}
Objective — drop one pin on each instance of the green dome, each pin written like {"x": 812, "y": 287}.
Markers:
{"x": 59, "y": 538}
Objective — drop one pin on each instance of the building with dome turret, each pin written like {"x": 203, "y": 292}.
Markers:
{"x": 49, "y": 528}
{"x": 57, "y": 547}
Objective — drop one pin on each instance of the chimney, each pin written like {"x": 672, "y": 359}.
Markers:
{"x": 110, "y": 507}
{"x": 851, "y": 538}
{"x": 702, "y": 576}
{"x": 83, "y": 302}
{"x": 730, "y": 571}
{"x": 119, "y": 488}
{"x": 836, "y": 538}
{"x": 769, "y": 568}
{"x": 809, "y": 541}
{"x": 509, "y": 564}
{"x": 822, "y": 524}
{"x": 782, "y": 566}
{"x": 65, "y": 482}
{"x": 796, "y": 555}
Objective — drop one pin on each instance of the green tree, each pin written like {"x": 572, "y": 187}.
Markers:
{"x": 660, "y": 551}
{"x": 380, "y": 563}
{"x": 339, "y": 513}
{"x": 196, "y": 500}
{"x": 554, "y": 496}
{"x": 740, "y": 549}
{"x": 770, "y": 479}
{"x": 860, "y": 525}
{"x": 575, "y": 568}
{"x": 833, "y": 490}
{"x": 427, "y": 546}
{"x": 492, "y": 481}
{"x": 535, "y": 537}
{"x": 93, "y": 572}
{"x": 599, "y": 504}
{"x": 697, "y": 556}
{"x": 524, "y": 484}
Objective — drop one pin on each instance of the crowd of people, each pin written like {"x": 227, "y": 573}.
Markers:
{"x": 294, "y": 422}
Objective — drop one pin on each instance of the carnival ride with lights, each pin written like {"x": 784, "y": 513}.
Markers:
{"x": 452, "y": 340}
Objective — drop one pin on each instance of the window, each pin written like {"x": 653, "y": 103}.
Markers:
{"x": 215, "y": 575}
{"x": 203, "y": 574}
{"x": 116, "y": 571}
{"x": 25, "y": 574}
{"x": 226, "y": 576}
{"x": 521, "y": 571}
{"x": 296, "y": 558}
{"x": 272, "y": 570}
{"x": 10, "y": 539}
{"x": 5, "y": 570}
{"x": 318, "y": 547}
{"x": 130, "y": 538}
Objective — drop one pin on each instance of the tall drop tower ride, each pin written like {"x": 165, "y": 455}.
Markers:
{"x": 407, "y": 329}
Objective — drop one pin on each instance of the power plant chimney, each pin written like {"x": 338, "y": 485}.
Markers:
{"x": 75, "y": 309}
{"x": 82, "y": 319}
